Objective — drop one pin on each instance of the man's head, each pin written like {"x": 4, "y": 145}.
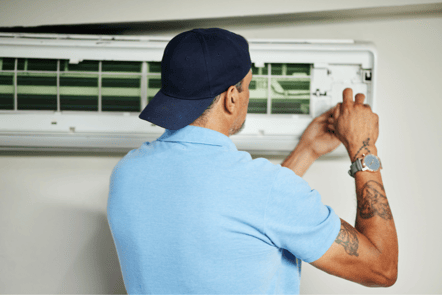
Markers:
{"x": 198, "y": 66}
{"x": 227, "y": 113}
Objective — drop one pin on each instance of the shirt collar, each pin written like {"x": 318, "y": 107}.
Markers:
{"x": 201, "y": 135}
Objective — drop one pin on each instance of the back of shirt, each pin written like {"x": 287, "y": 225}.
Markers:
{"x": 189, "y": 213}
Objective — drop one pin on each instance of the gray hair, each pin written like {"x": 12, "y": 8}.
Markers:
{"x": 202, "y": 120}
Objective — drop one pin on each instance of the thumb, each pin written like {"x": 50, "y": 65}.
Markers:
{"x": 336, "y": 112}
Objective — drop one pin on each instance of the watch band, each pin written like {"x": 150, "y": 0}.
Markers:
{"x": 355, "y": 167}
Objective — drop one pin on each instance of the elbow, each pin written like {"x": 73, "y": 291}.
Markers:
{"x": 391, "y": 278}
{"x": 387, "y": 270}
{"x": 392, "y": 272}
{"x": 388, "y": 277}
{"x": 378, "y": 280}
{"x": 383, "y": 275}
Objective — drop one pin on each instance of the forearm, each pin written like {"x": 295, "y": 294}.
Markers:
{"x": 374, "y": 218}
{"x": 299, "y": 160}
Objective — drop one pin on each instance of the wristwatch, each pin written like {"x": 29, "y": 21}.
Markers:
{"x": 368, "y": 162}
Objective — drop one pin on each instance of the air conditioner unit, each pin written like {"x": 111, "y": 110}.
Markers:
{"x": 84, "y": 93}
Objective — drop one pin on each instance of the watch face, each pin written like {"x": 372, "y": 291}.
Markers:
{"x": 372, "y": 162}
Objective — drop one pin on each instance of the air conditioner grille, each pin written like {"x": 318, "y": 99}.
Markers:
{"x": 127, "y": 86}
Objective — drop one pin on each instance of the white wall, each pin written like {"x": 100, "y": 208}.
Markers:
{"x": 54, "y": 236}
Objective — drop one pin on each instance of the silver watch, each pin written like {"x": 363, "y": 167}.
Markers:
{"x": 368, "y": 162}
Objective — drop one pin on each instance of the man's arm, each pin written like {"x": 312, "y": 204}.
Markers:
{"x": 317, "y": 140}
{"x": 367, "y": 253}
{"x": 300, "y": 159}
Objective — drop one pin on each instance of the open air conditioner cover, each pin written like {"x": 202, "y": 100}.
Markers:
{"x": 84, "y": 93}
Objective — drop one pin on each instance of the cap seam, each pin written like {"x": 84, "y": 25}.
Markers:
{"x": 205, "y": 53}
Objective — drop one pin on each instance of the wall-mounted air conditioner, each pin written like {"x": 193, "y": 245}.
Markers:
{"x": 84, "y": 93}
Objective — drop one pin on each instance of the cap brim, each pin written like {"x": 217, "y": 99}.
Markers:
{"x": 173, "y": 113}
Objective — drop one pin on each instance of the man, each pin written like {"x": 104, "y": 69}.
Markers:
{"x": 189, "y": 213}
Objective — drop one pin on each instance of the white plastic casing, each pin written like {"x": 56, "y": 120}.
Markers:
{"x": 336, "y": 65}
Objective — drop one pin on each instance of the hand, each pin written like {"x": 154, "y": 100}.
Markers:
{"x": 354, "y": 123}
{"x": 318, "y": 138}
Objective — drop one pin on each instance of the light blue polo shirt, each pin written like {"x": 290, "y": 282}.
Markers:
{"x": 189, "y": 213}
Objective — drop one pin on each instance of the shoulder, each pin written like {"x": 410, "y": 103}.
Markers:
{"x": 278, "y": 173}
{"x": 288, "y": 190}
{"x": 287, "y": 180}
{"x": 132, "y": 160}
{"x": 259, "y": 165}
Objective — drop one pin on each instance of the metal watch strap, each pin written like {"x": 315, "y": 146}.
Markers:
{"x": 355, "y": 167}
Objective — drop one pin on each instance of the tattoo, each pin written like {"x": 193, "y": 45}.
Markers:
{"x": 373, "y": 201}
{"x": 348, "y": 238}
{"x": 364, "y": 145}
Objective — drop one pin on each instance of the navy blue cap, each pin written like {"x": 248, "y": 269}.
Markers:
{"x": 197, "y": 66}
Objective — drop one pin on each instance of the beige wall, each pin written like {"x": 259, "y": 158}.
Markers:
{"x": 56, "y": 12}
{"x": 54, "y": 236}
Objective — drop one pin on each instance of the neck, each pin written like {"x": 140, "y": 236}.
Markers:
{"x": 215, "y": 127}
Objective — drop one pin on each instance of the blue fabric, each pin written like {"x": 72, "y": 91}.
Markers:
{"x": 189, "y": 213}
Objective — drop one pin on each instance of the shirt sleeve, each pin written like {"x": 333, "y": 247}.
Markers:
{"x": 297, "y": 220}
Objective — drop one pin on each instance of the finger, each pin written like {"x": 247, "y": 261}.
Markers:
{"x": 331, "y": 127}
{"x": 337, "y": 111}
{"x": 331, "y": 121}
{"x": 360, "y": 98}
{"x": 347, "y": 98}
{"x": 327, "y": 114}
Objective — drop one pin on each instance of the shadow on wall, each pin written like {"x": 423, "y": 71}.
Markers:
{"x": 57, "y": 248}
{"x": 96, "y": 268}
{"x": 171, "y": 27}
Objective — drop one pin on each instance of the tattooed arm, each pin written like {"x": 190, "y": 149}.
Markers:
{"x": 367, "y": 253}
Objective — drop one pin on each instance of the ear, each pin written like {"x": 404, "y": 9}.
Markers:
{"x": 231, "y": 100}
